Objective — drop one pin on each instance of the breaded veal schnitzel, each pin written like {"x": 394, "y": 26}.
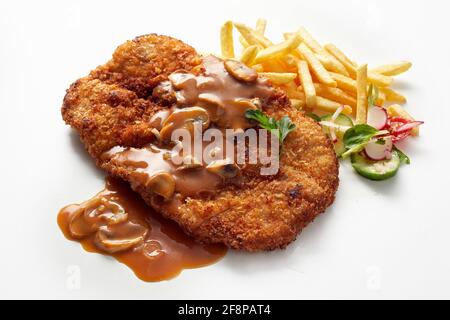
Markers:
{"x": 118, "y": 106}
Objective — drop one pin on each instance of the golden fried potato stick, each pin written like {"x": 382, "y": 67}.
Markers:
{"x": 307, "y": 83}
{"x": 298, "y": 103}
{"x": 251, "y": 36}
{"x": 349, "y": 65}
{"x": 226, "y": 40}
{"x": 325, "y": 61}
{"x": 393, "y": 69}
{"x": 396, "y": 110}
{"x": 316, "y": 67}
{"x": 261, "y": 26}
{"x": 291, "y": 62}
{"x": 274, "y": 65}
{"x": 292, "y": 91}
{"x": 249, "y": 54}
{"x": 279, "y": 77}
{"x": 335, "y": 94}
{"x": 278, "y": 50}
{"x": 345, "y": 83}
{"x": 329, "y": 106}
{"x": 328, "y": 60}
{"x": 258, "y": 68}
{"x": 379, "y": 80}
{"x": 393, "y": 96}
{"x": 361, "y": 86}
{"x": 374, "y": 78}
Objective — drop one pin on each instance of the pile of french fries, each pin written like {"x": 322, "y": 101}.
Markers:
{"x": 316, "y": 78}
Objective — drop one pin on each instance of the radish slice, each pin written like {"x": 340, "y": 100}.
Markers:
{"x": 408, "y": 127}
{"x": 377, "y": 117}
{"x": 376, "y": 151}
{"x": 337, "y": 113}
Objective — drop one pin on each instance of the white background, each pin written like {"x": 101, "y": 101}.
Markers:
{"x": 379, "y": 240}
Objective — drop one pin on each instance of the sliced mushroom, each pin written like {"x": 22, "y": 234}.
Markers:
{"x": 164, "y": 92}
{"x": 189, "y": 163}
{"x": 79, "y": 227}
{"x": 158, "y": 119}
{"x": 167, "y": 156}
{"x": 240, "y": 71}
{"x": 205, "y": 83}
{"x": 235, "y": 114}
{"x": 152, "y": 249}
{"x": 212, "y": 104}
{"x": 214, "y": 152}
{"x": 245, "y": 104}
{"x": 224, "y": 168}
{"x": 257, "y": 103}
{"x": 181, "y": 80}
{"x": 111, "y": 212}
{"x": 184, "y": 118}
{"x": 156, "y": 133}
{"x": 120, "y": 237}
{"x": 162, "y": 184}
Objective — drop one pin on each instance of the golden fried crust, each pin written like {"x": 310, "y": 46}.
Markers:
{"x": 139, "y": 64}
{"x": 267, "y": 213}
{"x": 110, "y": 107}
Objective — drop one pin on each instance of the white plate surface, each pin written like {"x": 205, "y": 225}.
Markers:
{"x": 379, "y": 240}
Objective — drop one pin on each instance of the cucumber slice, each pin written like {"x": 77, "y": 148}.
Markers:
{"x": 341, "y": 120}
{"x": 376, "y": 170}
{"x": 339, "y": 147}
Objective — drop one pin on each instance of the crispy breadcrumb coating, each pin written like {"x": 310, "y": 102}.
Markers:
{"x": 113, "y": 105}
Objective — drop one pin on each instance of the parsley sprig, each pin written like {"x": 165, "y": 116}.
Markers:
{"x": 281, "y": 128}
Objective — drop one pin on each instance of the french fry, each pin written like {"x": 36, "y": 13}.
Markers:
{"x": 361, "y": 86}
{"x": 324, "y": 60}
{"x": 258, "y": 68}
{"x": 316, "y": 67}
{"x": 379, "y": 80}
{"x": 291, "y": 62}
{"x": 279, "y": 77}
{"x": 329, "y": 106}
{"x": 328, "y": 61}
{"x": 249, "y": 54}
{"x": 298, "y": 103}
{"x": 308, "y": 86}
{"x": 293, "y": 92}
{"x": 396, "y": 110}
{"x": 345, "y": 83}
{"x": 226, "y": 40}
{"x": 274, "y": 66}
{"x": 393, "y": 96}
{"x": 261, "y": 26}
{"x": 313, "y": 76}
{"x": 278, "y": 50}
{"x": 243, "y": 42}
{"x": 381, "y": 99}
{"x": 251, "y": 36}
{"x": 335, "y": 94}
{"x": 349, "y": 65}
{"x": 393, "y": 69}
{"x": 375, "y": 78}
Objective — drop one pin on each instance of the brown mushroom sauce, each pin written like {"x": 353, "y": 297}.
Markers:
{"x": 117, "y": 223}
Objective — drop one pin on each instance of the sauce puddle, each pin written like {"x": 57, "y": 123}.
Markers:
{"x": 118, "y": 223}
